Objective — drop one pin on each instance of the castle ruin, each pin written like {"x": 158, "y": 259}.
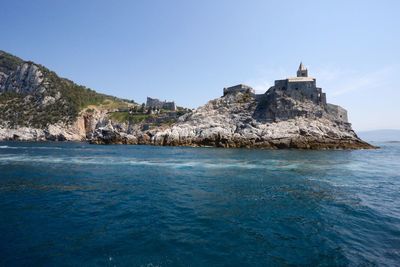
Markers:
{"x": 239, "y": 88}
{"x": 157, "y": 104}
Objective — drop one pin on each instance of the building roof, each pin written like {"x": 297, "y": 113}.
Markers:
{"x": 301, "y": 67}
{"x": 301, "y": 79}
{"x": 239, "y": 86}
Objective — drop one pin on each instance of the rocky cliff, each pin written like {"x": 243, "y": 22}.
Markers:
{"x": 234, "y": 121}
{"x": 35, "y": 104}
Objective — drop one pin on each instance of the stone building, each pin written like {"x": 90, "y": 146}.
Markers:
{"x": 302, "y": 71}
{"x": 292, "y": 97}
{"x": 156, "y": 103}
{"x": 302, "y": 87}
{"x": 238, "y": 88}
{"x": 337, "y": 111}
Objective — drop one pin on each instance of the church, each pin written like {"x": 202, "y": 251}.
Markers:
{"x": 302, "y": 87}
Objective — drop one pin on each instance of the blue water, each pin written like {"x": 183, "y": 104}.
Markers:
{"x": 73, "y": 204}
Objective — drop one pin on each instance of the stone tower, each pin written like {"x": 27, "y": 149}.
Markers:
{"x": 302, "y": 71}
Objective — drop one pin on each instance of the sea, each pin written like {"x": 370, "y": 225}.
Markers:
{"x": 76, "y": 204}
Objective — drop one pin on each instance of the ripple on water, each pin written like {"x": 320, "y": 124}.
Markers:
{"x": 77, "y": 204}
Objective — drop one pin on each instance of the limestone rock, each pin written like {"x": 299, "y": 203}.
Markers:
{"x": 291, "y": 114}
{"x": 27, "y": 78}
{"x": 231, "y": 121}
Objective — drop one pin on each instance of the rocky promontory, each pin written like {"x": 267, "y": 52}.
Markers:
{"x": 35, "y": 104}
{"x": 231, "y": 121}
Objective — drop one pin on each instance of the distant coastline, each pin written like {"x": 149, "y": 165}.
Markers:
{"x": 382, "y": 135}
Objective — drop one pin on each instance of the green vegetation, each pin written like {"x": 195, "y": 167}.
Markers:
{"x": 18, "y": 111}
{"x": 124, "y": 116}
{"x": 61, "y": 100}
{"x": 245, "y": 98}
{"x": 9, "y": 62}
{"x": 6, "y": 96}
{"x": 77, "y": 97}
{"x": 69, "y": 99}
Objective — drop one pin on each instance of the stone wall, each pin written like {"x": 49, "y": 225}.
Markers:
{"x": 297, "y": 97}
{"x": 302, "y": 89}
{"x": 323, "y": 99}
{"x": 277, "y": 105}
{"x": 239, "y": 88}
{"x": 156, "y": 103}
{"x": 337, "y": 112}
{"x": 169, "y": 106}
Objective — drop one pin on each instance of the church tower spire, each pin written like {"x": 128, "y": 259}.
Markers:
{"x": 302, "y": 71}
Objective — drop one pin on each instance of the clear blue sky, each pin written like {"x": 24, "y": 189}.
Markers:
{"x": 188, "y": 51}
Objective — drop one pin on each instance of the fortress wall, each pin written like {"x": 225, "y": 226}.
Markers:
{"x": 304, "y": 90}
{"x": 323, "y": 98}
{"x": 281, "y": 84}
{"x": 301, "y": 90}
{"x": 153, "y": 103}
{"x": 239, "y": 88}
{"x": 169, "y": 106}
{"x": 339, "y": 113}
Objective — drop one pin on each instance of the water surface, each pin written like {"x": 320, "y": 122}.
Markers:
{"x": 74, "y": 204}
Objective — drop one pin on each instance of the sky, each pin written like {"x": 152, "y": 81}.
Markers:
{"x": 188, "y": 51}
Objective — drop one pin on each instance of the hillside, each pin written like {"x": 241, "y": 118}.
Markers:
{"x": 33, "y": 96}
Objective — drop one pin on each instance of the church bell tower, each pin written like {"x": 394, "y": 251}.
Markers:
{"x": 302, "y": 71}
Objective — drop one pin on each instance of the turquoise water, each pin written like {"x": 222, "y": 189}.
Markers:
{"x": 73, "y": 204}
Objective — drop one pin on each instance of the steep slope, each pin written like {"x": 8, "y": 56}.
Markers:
{"x": 32, "y": 95}
{"x": 34, "y": 99}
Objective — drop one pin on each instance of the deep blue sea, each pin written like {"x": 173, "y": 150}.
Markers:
{"x": 75, "y": 204}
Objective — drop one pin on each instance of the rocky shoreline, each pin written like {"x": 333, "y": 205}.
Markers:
{"x": 35, "y": 135}
{"x": 228, "y": 122}
{"x": 37, "y": 105}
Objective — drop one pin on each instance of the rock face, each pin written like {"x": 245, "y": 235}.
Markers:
{"x": 26, "y": 79}
{"x": 235, "y": 121}
{"x": 283, "y": 117}
{"x": 277, "y": 119}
